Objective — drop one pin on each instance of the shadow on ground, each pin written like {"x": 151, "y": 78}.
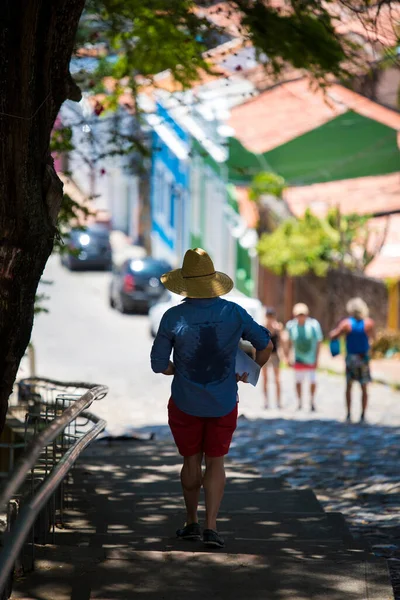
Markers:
{"x": 125, "y": 505}
{"x": 351, "y": 468}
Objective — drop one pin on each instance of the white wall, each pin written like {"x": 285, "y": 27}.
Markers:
{"x": 114, "y": 189}
{"x": 215, "y": 234}
{"x": 162, "y": 251}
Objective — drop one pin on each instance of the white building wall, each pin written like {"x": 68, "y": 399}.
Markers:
{"x": 113, "y": 189}
{"x": 162, "y": 251}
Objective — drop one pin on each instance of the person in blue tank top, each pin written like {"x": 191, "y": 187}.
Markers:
{"x": 359, "y": 330}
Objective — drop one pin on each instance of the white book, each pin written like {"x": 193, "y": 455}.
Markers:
{"x": 245, "y": 364}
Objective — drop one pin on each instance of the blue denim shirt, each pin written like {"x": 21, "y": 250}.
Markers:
{"x": 204, "y": 335}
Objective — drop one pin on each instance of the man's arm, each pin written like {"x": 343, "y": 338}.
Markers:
{"x": 161, "y": 350}
{"x": 262, "y": 356}
{"x": 341, "y": 329}
{"x": 258, "y": 336}
{"x": 320, "y": 337}
{"x": 370, "y": 329}
{"x": 287, "y": 344}
{"x": 170, "y": 370}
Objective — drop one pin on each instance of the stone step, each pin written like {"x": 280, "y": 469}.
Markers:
{"x": 179, "y": 575}
{"x": 127, "y": 527}
{"x": 282, "y": 501}
{"x": 152, "y": 455}
{"x": 152, "y": 482}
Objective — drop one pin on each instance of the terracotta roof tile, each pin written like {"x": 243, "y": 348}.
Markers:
{"x": 364, "y": 106}
{"x": 291, "y": 109}
{"x": 165, "y": 81}
{"x": 374, "y": 28}
{"x": 263, "y": 79}
{"x": 224, "y": 15}
{"x": 281, "y": 114}
{"x": 376, "y": 25}
{"x": 361, "y": 195}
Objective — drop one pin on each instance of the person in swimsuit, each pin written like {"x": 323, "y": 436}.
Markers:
{"x": 275, "y": 328}
{"x": 358, "y": 330}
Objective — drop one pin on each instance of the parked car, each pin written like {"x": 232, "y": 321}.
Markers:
{"x": 135, "y": 285}
{"x": 253, "y": 306}
{"x": 90, "y": 248}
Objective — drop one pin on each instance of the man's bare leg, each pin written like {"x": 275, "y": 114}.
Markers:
{"x": 214, "y": 485}
{"x": 191, "y": 479}
{"x": 313, "y": 389}
{"x": 348, "y": 400}
{"x": 364, "y": 399}
{"x": 265, "y": 386}
{"x": 277, "y": 374}
{"x": 299, "y": 395}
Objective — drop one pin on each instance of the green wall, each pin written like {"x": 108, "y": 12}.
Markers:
{"x": 244, "y": 273}
{"x": 196, "y": 241}
{"x": 346, "y": 147}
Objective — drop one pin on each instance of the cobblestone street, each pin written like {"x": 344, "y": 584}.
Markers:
{"x": 352, "y": 469}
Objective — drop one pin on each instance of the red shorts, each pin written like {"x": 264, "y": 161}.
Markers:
{"x": 210, "y": 435}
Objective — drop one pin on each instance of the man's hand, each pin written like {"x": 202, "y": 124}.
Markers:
{"x": 242, "y": 377}
{"x": 262, "y": 356}
{"x": 170, "y": 370}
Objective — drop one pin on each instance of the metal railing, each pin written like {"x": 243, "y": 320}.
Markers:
{"x": 58, "y": 428}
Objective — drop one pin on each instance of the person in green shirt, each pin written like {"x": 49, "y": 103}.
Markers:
{"x": 305, "y": 337}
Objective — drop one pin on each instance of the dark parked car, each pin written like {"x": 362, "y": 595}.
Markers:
{"x": 91, "y": 248}
{"x": 136, "y": 285}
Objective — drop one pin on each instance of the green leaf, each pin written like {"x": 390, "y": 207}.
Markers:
{"x": 313, "y": 245}
{"x": 267, "y": 183}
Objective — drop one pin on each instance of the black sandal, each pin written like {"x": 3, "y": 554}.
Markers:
{"x": 212, "y": 539}
{"x": 189, "y": 532}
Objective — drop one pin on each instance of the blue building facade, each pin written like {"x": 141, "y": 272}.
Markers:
{"x": 169, "y": 187}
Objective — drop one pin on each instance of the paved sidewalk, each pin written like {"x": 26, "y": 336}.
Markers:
{"x": 384, "y": 370}
{"x": 119, "y": 541}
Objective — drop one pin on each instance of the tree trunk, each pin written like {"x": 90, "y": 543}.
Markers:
{"x": 36, "y": 42}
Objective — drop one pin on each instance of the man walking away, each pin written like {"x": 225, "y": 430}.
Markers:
{"x": 305, "y": 337}
{"x": 204, "y": 332}
{"x": 358, "y": 329}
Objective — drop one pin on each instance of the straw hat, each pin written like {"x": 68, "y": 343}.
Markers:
{"x": 197, "y": 278}
{"x": 300, "y": 309}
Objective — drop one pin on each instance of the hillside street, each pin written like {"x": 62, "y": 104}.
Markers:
{"x": 350, "y": 467}
{"x": 81, "y": 338}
